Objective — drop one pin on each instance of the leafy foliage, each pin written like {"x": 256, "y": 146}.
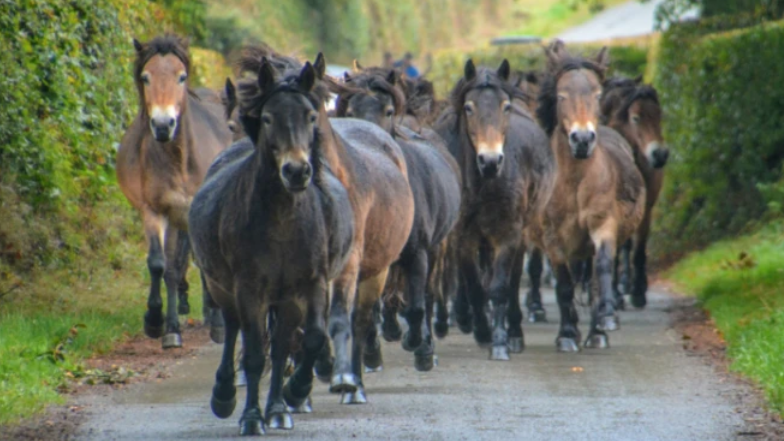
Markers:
{"x": 724, "y": 110}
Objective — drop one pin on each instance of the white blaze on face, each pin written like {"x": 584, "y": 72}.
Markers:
{"x": 578, "y": 127}
{"x": 484, "y": 148}
{"x": 159, "y": 112}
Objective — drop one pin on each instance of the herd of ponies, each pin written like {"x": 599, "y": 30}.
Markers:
{"x": 315, "y": 229}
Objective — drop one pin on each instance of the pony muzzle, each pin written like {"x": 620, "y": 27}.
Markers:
{"x": 296, "y": 175}
{"x": 163, "y": 123}
{"x": 657, "y": 155}
{"x": 489, "y": 161}
{"x": 582, "y": 142}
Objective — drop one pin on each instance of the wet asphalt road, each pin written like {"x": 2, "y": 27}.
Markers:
{"x": 645, "y": 387}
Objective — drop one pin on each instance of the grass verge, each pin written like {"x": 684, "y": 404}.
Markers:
{"x": 551, "y": 17}
{"x": 740, "y": 282}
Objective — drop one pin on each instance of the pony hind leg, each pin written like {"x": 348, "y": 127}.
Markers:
{"x": 533, "y": 299}
{"x": 177, "y": 248}
{"x": 368, "y": 293}
{"x": 568, "y": 334}
{"x": 212, "y": 313}
{"x": 224, "y": 392}
{"x": 416, "y": 268}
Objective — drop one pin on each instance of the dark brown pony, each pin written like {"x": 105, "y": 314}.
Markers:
{"x": 272, "y": 227}
{"x": 508, "y": 172}
{"x": 633, "y": 109}
{"x": 374, "y": 95}
{"x": 161, "y": 162}
{"x": 599, "y": 196}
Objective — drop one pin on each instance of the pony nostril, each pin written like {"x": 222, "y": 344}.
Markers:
{"x": 500, "y": 159}
{"x": 591, "y": 136}
{"x": 481, "y": 159}
{"x": 574, "y": 137}
{"x": 172, "y": 121}
{"x": 306, "y": 170}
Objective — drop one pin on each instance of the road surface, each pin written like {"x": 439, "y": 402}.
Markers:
{"x": 644, "y": 388}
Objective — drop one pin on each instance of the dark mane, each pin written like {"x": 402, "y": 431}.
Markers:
{"x": 162, "y": 45}
{"x": 485, "y": 78}
{"x": 250, "y": 96}
{"x": 373, "y": 79}
{"x": 620, "y": 93}
{"x": 547, "y": 112}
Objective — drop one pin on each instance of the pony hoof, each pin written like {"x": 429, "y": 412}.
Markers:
{"x": 251, "y": 423}
{"x": 441, "y": 329}
{"x": 516, "y": 345}
{"x": 218, "y": 334}
{"x": 483, "y": 336}
{"x": 597, "y": 341}
{"x": 639, "y": 301}
{"x": 537, "y": 316}
{"x": 153, "y": 331}
{"x": 391, "y": 332}
{"x": 183, "y": 309}
{"x": 356, "y": 397}
{"x": 323, "y": 370}
{"x": 281, "y": 421}
{"x": 609, "y": 323}
{"x": 464, "y": 325}
{"x": 343, "y": 384}
{"x": 293, "y": 400}
{"x": 424, "y": 363}
{"x": 172, "y": 340}
{"x": 410, "y": 342}
{"x": 372, "y": 370}
{"x": 222, "y": 409}
{"x": 567, "y": 344}
{"x": 305, "y": 407}
{"x": 240, "y": 380}
{"x": 499, "y": 353}
{"x": 372, "y": 359}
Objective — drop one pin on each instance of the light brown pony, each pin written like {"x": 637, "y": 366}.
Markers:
{"x": 599, "y": 195}
{"x": 633, "y": 109}
{"x": 372, "y": 168}
{"x": 161, "y": 162}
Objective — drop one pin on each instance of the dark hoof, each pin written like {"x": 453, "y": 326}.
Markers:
{"x": 305, "y": 407}
{"x": 153, "y": 325}
{"x": 343, "y": 384}
{"x": 639, "y": 301}
{"x": 281, "y": 421}
{"x": 441, "y": 329}
{"x": 183, "y": 309}
{"x": 483, "y": 335}
{"x": 292, "y": 400}
{"x": 222, "y": 409}
{"x": 537, "y": 316}
{"x": 323, "y": 369}
{"x": 172, "y": 340}
{"x": 411, "y": 343}
{"x": 372, "y": 357}
{"x": 609, "y": 323}
{"x": 499, "y": 353}
{"x": 218, "y": 334}
{"x": 516, "y": 345}
{"x": 597, "y": 341}
{"x": 239, "y": 379}
{"x": 251, "y": 423}
{"x": 464, "y": 324}
{"x": 356, "y": 397}
{"x": 424, "y": 363}
{"x": 567, "y": 344}
{"x": 391, "y": 331}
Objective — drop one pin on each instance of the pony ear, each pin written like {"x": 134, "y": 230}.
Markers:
{"x": 504, "y": 70}
{"x": 307, "y": 77}
{"x": 603, "y": 58}
{"x": 320, "y": 65}
{"x": 357, "y": 67}
{"x": 392, "y": 77}
{"x": 346, "y": 76}
{"x": 231, "y": 97}
{"x": 138, "y": 45}
{"x": 266, "y": 75}
{"x": 638, "y": 79}
{"x": 555, "y": 52}
{"x": 470, "y": 70}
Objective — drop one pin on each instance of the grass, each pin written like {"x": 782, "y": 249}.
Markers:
{"x": 62, "y": 314}
{"x": 740, "y": 282}
{"x": 550, "y": 17}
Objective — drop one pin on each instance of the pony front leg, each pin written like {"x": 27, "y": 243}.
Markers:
{"x": 514, "y": 314}
{"x": 499, "y": 297}
{"x": 287, "y": 318}
{"x": 603, "y": 315}
{"x": 344, "y": 290}
{"x": 640, "y": 274}
{"x": 177, "y": 248}
{"x": 224, "y": 393}
{"x": 253, "y": 314}
{"x": 155, "y": 231}
{"x": 568, "y": 334}
{"x": 533, "y": 300}
{"x": 475, "y": 293}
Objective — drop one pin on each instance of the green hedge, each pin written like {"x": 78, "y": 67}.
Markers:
{"x": 724, "y": 107}
{"x": 628, "y": 57}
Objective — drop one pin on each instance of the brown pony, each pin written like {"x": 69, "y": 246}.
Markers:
{"x": 633, "y": 109}
{"x": 599, "y": 196}
{"x": 161, "y": 162}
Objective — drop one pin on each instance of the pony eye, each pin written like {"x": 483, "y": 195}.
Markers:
{"x": 507, "y": 107}
{"x": 390, "y": 112}
{"x": 561, "y": 97}
{"x": 635, "y": 119}
{"x": 312, "y": 118}
{"x": 469, "y": 109}
{"x": 146, "y": 78}
{"x": 266, "y": 120}
{"x": 183, "y": 77}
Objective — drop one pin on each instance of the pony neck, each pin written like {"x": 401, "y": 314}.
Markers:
{"x": 467, "y": 158}
{"x": 334, "y": 151}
